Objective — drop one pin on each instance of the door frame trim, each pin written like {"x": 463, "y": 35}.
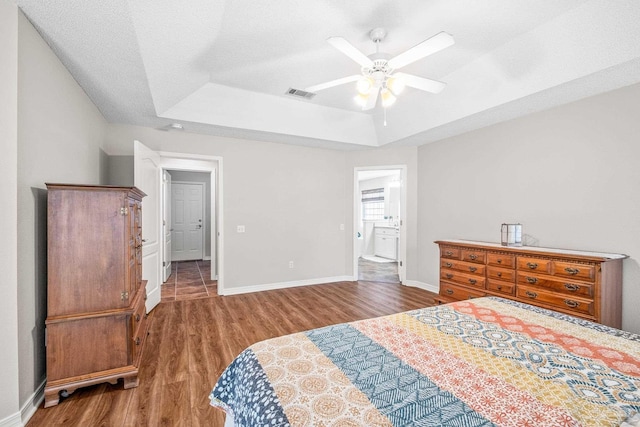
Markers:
{"x": 213, "y": 165}
{"x": 402, "y": 246}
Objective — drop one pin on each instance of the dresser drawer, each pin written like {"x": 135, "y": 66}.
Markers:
{"x": 449, "y": 252}
{"x": 552, "y": 283}
{"x": 500, "y": 287}
{"x": 503, "y": 274}
{"x": 534, "y": 264}
{"x": 458, "y": 292}
{"x": 501, "y": 260}
{"x": 565, "y": 302}
{"x": 574, "y": 270}
{"x": 465, "y": 267}
{"x": 462, "y": 278}
{"x": 474, "y": 256}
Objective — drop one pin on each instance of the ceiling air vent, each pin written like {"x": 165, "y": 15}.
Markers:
{"x": 300, "y": 93}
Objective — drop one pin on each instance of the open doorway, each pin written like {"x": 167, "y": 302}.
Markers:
{"x": 150, "y": 173}
{"x": 379, "y": 241}
{"x": 190, "y": 219}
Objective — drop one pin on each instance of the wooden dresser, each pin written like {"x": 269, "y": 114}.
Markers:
{"x": 583, "y": 284}
{"x": 96, "y": 320}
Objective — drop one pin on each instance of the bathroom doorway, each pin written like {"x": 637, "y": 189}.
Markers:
{"x": 379, "y": 241}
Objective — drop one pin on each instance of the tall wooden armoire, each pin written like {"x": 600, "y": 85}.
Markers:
{"x": 96, "y": 320}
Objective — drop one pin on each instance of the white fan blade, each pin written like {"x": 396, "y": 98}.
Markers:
{"x": 421, "y": 83}
{"x": 348, "y": 49}
{"x": 371, "y": 99}
{"x": 419, "y": 51}
{"x": 333, "y": 83}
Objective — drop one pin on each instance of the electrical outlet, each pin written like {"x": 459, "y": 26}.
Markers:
{"x": 290, "y": 264}
{"x": 241, "y": 229}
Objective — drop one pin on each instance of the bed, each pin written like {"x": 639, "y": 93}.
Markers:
{"x": 482, "y": 362}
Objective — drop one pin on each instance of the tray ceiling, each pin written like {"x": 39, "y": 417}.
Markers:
{"x": 224, "y": 67}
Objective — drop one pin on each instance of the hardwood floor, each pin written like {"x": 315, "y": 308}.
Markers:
{"x": 191, "y": 341}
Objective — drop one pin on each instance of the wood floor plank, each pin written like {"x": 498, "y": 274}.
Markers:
{"x": 191, "y": 342}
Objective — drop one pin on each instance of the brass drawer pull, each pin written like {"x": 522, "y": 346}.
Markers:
{"x": 500, "y": 261}
{"x": 448, "y": 291}
{"x": 448, "y": 264}
{"x": 472, "y": 269}
{"x": 532, "y": 265}
{"x": 448, "y": 253}
{"x": 531, "y": 294}
{"x": 138, "y": 340}
{"x": 532, "y": 279}
{"x": 572, "y": 287}
{"x": 572, "y": 271}
{"x": 571, "y": 303}
{"x": 449, "y": 275}
{"x": 473, "y": 281}
{"x": 499, "y": 274}
{"x": 473, "y": 256}
{"x": 137, "y": 317}
{"x": 499, "y": 288}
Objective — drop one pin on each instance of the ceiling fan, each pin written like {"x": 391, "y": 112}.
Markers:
{"x": 378, "y": 74}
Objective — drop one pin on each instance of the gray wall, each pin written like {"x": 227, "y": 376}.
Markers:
{"x": 289, "y": 198}
{"x": 120, "y": 170}
{"x": 206, "y": 179}
{"x": 9, "y": 365}
{"x": 60, "y": 133}
{"x": 570, "y": 175}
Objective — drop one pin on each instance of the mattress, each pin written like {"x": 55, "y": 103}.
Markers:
{"x": 482, "y": 362}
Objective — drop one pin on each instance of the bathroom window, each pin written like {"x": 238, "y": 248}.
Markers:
{"x": 373, "y": 204}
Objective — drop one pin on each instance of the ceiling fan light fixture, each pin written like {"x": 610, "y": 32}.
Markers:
{"x": 395, "y": 84}
{"x": 364, "y": 85}
{"x": 387, "y": 97}
{"x": 361, "y": 99}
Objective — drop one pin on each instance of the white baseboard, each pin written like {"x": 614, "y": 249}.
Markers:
{"x": 20, "y": 419}
{"x": 426, "y": 286}
{"x": 12, "y": 421}
{"x": 33, "y": 403}
{"x": 283, "y": 285}
{"x": 206, "y": 258}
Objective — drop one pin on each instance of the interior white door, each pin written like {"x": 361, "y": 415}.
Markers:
{"x": 187, "y": 221}
{"x": 166, "y": 225}
{"x": 147, "y": 177}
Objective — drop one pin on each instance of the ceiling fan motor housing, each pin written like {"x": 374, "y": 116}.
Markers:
{"x": 379, "y": 71}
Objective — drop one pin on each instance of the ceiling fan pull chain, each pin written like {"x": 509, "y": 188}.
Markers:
{"x": 385, "y": 115}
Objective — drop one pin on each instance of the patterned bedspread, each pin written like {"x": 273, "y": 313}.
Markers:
{"x": 481, "y": 362}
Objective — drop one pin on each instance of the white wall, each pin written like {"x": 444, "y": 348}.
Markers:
{"x": 570, "y": 175}
{"x": 9, "y": 403}
{"x": 60, "y": 133}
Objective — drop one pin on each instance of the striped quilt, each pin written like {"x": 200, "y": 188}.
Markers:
{"x": 481, "y": 362}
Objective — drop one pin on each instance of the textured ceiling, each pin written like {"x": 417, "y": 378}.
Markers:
{"x": 223, "y": 67}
